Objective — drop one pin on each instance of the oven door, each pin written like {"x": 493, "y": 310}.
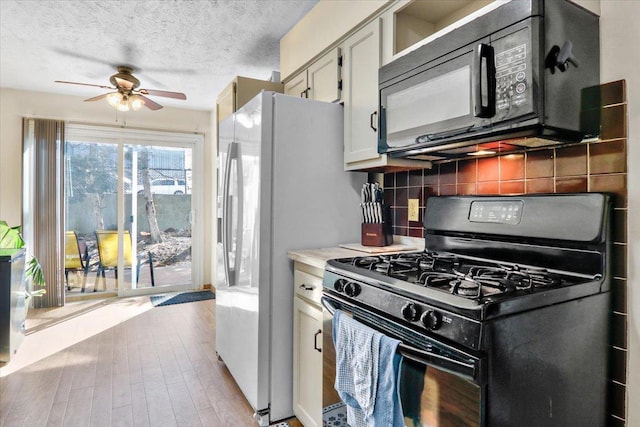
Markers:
{"x": 438, "y": 385}
{"x": 445, "y": 100}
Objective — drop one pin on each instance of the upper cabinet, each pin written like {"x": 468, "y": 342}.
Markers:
{"x": 325, "y": 24}
{"x": 324, "y": 77}
{"x": 321, "y": 81}
{"x": 369, "y": 36}
{"x": 409, "y": 23}
{"x": 239, "y": 92}
{"x": 360, "y": 85}
{"x": 362, "y": 58}
{"x": 298, "y": 85}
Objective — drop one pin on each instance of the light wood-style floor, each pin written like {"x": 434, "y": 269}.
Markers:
{"x": 156, "y": 369}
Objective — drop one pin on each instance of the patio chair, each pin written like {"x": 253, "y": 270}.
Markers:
{"x": 76, "y": 257}
{"x": 108, "y": 256}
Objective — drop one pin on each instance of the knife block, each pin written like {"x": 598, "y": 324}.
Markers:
{"x": 378, "y": 233}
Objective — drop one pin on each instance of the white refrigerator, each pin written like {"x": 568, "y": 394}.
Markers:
{"x": 281, "y": 186}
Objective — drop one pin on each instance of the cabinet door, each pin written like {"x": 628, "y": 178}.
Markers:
{"x": 226, "y": 102}
{"x": 324, "y": 77}
{"x": 307, "y": 363}
{"x": 297, "y": 86}
{"x": 360, "y": 93}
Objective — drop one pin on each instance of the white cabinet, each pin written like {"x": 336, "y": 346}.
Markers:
{"x": 360, "y": 85}
{"x": 320, "y": 81}
{"x": 325, "y": 24}
{"x": 362, "y": 58}
{"x": 307, "y": 345}
{"x": 297, "y": 86}
{"x": 324, "y": 77}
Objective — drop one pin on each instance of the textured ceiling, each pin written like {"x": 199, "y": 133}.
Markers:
{"x": 195, "y": 47}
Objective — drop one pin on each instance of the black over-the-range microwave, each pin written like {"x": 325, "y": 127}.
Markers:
{"x": 512, "y": 78}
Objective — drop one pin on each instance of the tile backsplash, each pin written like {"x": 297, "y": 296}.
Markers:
{"x": 599, "y": 166}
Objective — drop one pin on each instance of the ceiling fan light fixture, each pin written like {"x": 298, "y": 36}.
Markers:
{"x": 136, "y": 102}
{"x": 114, "y": 99}
{"x": 123, "y": 105}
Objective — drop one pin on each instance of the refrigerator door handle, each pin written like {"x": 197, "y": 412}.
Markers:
{"x": 226, "y": 220}
{"x": 237, "y": 258}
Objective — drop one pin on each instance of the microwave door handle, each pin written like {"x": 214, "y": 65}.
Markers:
{"x": 484, "y": 54}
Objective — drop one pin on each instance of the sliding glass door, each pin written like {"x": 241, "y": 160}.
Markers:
{"x": 130, "y": 201}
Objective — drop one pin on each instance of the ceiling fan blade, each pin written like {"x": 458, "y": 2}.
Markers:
{"x": 84, "y": 84}
{"x": 97, "y": 98}
{"x": 152, "y": 105}
{"x": 166, "y": 94}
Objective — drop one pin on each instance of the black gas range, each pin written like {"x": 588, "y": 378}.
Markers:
{"x": 512, "y": 290}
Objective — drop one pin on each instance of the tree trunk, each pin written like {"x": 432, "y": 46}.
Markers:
{"x": 149, "y": 205}
{"x": 97, "y": 212}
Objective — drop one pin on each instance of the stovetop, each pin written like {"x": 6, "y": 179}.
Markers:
{"x": 476, "y": 280}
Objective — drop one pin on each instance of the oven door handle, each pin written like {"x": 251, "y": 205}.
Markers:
{"x": 458, "y": 367}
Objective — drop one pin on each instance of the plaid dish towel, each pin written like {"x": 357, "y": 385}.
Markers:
{"x": 367, "y": 374}
{"x": 357, "y": 347}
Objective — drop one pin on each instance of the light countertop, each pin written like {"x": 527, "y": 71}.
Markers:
{"x": 319, "y": 257}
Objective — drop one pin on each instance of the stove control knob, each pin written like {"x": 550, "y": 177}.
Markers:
{"x": 352, "y": 289}
{"x": 411, "y": 312}
{"x": 431, "y": 319}
{"x": 338, "y": 285}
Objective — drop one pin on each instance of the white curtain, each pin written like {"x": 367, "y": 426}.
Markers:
{"x": 43, "y": 208}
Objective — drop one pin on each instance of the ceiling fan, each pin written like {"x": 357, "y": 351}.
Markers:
{"x": 127, "y": 95}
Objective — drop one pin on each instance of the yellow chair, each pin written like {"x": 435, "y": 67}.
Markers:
{"x": 76, "y": 257}
{"x": 108, "y": 254}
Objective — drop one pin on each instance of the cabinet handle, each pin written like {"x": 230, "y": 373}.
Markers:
{"x": 307, "y": 287}
{"x": 315, "y": 341}
{"x": 372, "y": 122}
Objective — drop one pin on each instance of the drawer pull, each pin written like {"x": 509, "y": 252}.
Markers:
{"x": 307, "y": 287}
{"x": 315, "y": 341}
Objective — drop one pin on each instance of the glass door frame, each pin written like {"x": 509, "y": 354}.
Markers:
{"x": 141, "y": 137}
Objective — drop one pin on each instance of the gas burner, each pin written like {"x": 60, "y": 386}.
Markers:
{"x": 517, "y": 277}
{"x": 434, "y": 261}
{"x": 383, "y": 267}
{"x": 365, "y": 262}
{"x": 466, "y": 287}
{"x": 455, "y": 283}
{"x": 394, "y": 267}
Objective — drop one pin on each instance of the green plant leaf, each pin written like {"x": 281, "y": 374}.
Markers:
{"x": 10, "y": 236}
{"x": 34, "y": 272}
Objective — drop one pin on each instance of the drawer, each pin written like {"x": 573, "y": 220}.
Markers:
{"x": 307, "y": 286}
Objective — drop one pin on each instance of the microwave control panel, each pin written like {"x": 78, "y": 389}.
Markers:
{"x": 513, "y": 75}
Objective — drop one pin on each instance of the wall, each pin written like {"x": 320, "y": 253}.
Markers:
{"x": 619, "y": 59}
{"x": 15, "y": 104}
{"x": 172, "y": 211}
{"x": 597, "y": 167}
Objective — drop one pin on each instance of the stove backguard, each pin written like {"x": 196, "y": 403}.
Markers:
{"x": 566, "y": 232}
